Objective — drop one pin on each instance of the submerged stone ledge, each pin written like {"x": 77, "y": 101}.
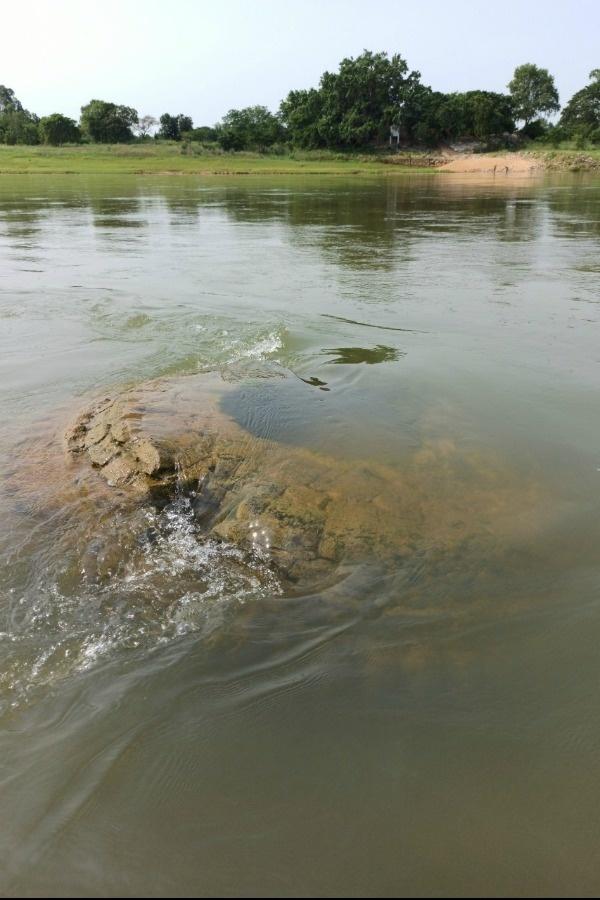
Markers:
{"x": 304, "y": 511}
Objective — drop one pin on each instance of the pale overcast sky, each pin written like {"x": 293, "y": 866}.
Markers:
{"x": 202, "y": 58}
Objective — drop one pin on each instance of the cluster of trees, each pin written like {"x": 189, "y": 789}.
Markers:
{"x": 431, "y": 117}
{"x": 357, "y": 105}
{"x": 100, "y": 122}
{"x": 354, "y": 107}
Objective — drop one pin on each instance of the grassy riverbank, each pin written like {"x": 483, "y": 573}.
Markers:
{"x": 169, "y": 158}
{"x": 569, "y": 159}
{"x": 165, "y": 158}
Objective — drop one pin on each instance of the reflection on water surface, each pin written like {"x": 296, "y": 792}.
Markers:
{"x": 354, "y": 356}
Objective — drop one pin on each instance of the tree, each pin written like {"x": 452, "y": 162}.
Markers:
{"x": 169, "y": 129}
{"x": 205, "y": 133}
{"x": 354, "y": 106}
{"x": 145, "y": 124}
{"x": 108, "y": 123}
{"x": 365, "y": 97}
{"x": 487, "y": 114}
{"x": 172, "y": 127}
{"x": 430, "y": 117}
{"x": 533, "y": 92}
{"x": 254, "y": 127}
{"x": 8, "y": 101}
{"x": 301, "y": 113}
{"x": 581, "y": 115}
{"x": 17, "y": 125}
{"x": 58, "y": 129}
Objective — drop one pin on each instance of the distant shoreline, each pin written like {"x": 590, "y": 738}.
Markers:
{"x": 165, "y": 160}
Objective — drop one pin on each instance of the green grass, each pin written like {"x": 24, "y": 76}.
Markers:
{"x": 162, "y": 158}
{"x": 568, "y": 147}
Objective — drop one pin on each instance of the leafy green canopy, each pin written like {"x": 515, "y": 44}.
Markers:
{"x": 207, "y": 134}
{"x": 582, "y": 112}
{"x": 17, "y": 125}
{"x": 107, "y": 123}
{"x": 352, "y": 107}
{"x": 57, "y": 129}
{"x": 173, "y": 127}
{"x": 254, "y": 127}
{"x": 8, "y": 101}
{"x": 431, "y": 117}
{"x": 356, "y": 106}
{"x": 533, "y": 92}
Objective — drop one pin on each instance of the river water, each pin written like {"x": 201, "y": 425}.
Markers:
{"x": 188, "y": 726}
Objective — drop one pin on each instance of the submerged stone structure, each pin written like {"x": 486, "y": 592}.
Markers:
{"x": 304, "y": 512}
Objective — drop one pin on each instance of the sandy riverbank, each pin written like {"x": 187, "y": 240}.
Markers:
{"x": 502, "y": 164}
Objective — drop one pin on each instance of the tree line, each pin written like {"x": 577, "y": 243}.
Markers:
{"x": 353, "y": 108}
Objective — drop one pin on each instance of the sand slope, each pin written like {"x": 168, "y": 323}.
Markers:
{"x": 500, "y": 165}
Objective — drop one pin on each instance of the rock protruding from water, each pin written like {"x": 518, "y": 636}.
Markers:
{"x": 107, "y": 434}
{"x": 306, "y": 512}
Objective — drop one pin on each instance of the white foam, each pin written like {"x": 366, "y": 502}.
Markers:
{"x": 173, "y": 583}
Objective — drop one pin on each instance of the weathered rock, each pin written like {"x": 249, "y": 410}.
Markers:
{"x": 304, "y": 511}
{"x": 109, "y": 434}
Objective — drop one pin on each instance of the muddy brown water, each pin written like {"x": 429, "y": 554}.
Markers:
{"x": 416, "y": 358}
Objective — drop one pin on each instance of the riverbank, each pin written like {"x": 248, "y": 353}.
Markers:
{"x": 179, "y": 159}
{"x": 494, "y": 164}
{"x": 162, "y": 158}
{"x": 569, "y": 160}
{"x": 530, "y": 162}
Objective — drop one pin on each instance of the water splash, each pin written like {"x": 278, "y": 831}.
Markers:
{"x": 171, "y": 584}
